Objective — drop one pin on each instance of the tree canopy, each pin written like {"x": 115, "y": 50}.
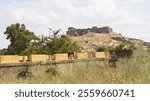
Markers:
{"x": 62, "y": 45}
{"x": 25, "y": 42}
{"x": 19, "y": 37}
{"x": 58, "y": 44}
{"x": 3, "y": 51}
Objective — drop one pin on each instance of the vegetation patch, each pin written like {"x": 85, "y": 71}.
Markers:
{"x": 52, "y": 72}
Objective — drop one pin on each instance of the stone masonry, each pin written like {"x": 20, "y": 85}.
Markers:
{"x": 76, "y": 32}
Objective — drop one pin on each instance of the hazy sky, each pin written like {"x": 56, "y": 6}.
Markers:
{"x": 129, "y": 17}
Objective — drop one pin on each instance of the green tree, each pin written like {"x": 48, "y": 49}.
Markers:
{"x": 62, "y": 45}
{"x": 53, "y": 33}
{"x": 20, "y": 38}
{"x": 57, "y": 44}
{"x": 125, "y": 46}
{"x": 3, "y": 51}
{"x": 105, "y": 48}
{"x": 38, "y": 46}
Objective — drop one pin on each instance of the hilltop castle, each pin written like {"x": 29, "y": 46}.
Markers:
{"x": 76, "y": 32}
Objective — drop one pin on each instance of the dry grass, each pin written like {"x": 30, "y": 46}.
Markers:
{"x": 128, "y": 71}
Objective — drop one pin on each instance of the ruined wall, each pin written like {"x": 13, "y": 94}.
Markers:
{"x": 76, "y": 32}
{"x": 101, "y": 30}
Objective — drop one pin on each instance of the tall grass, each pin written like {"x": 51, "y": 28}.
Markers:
{"x": 128, "y": 71}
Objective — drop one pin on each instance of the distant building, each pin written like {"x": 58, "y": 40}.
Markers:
{"x": 76, "y": 32}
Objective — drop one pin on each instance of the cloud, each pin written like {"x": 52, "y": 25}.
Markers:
{"x": 126, "y": 16}
{"x": 134, "y": 1}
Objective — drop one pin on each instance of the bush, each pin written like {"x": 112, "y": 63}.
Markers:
{"x": 121, "y": 46}
{"x": 125, "y": 46}
{"x": 105, "y": 48}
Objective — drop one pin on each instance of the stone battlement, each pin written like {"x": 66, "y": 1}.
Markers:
{"x": 76, "y": 32}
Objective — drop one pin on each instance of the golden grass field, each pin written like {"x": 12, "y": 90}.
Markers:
{"x": 134, "y": 70}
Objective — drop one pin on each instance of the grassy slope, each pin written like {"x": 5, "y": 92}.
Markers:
{"x": 133, "y": 70}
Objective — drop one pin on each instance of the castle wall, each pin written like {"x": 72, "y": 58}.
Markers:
{"x": 73, "y": 31}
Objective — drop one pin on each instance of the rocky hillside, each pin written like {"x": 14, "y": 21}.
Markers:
{"x": 91, "y": 41}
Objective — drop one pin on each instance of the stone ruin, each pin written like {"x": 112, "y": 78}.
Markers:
{"x": 77, "y": 32}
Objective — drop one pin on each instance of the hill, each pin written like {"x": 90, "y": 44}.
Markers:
{"x": 91, "y": 41}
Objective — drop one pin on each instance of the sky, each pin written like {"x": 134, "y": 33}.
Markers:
{"x": 131, "y": 18}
